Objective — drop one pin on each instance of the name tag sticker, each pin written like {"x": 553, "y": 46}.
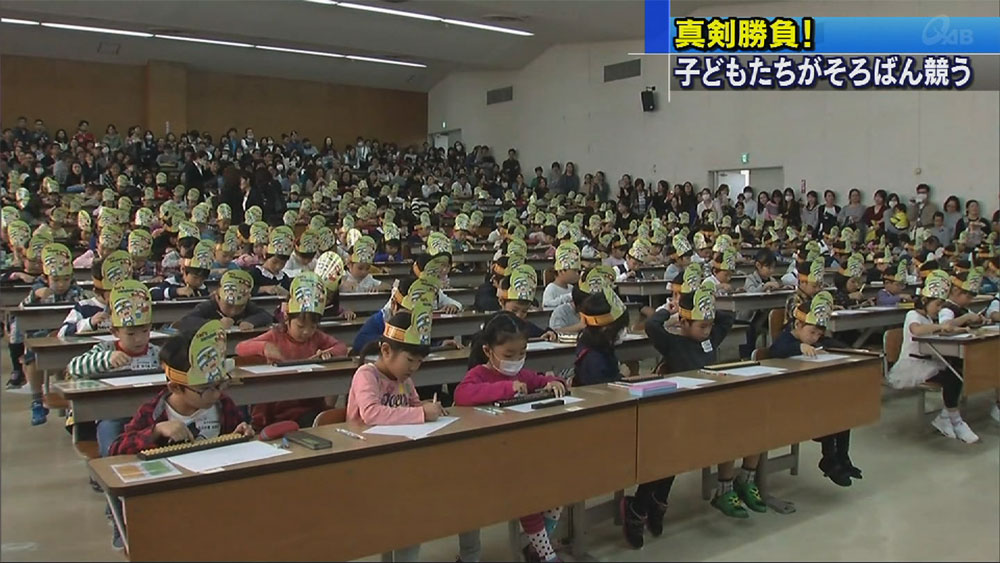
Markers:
{"x": 706, "y": 345}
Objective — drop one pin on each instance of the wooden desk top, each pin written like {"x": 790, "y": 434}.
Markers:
{"x": 977, "y": 335}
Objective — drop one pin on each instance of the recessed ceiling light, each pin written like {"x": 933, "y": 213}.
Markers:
{"x": 300, "y": 51}
{"x": 388, "y": 11}
{"x": 385, "y": 61}
{"x": 489, "y": 27}
{"x": 96, "y": 29}
{"x": 425, "y": 17}
{"x": 18, "y": 22}
{"x": 200, "y": 40}
{"x": 328, "y": 2}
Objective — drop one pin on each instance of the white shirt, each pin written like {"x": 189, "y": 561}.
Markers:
{"x": 206, "y": 420}
{"x": 946, "y": 315}
{"x": 554, "y": 296}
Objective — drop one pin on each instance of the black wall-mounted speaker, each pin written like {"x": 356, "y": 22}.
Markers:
{"x": 648, "y": 100}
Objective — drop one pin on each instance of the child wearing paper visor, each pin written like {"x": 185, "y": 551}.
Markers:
{"x": 229, "y": 304}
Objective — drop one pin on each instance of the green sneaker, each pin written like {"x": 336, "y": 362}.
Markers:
{"x": 750, "y": 495}
{"x": 730, "y": 505}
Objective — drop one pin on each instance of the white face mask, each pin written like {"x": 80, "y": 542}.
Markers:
{"x": 893, "y": 203}
{"x": 510, "y": 368}
{"x": 921, "y": 198}
{"x": 788, "y": 198}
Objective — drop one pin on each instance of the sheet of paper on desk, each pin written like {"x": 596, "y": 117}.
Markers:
{"x": 412, "y": 431}
{"x": 820, "y": 358}
{"x": 881, "y": 308}
{"x": 106, "y": 337}
{"x": 689, "y": 382}
{"x": 526, "y": 407}
{"x": 751, "y": 371}
{"x": 135, "y": 380}
{"x": 993, "y": 328}
{"x": 144, "y": 470}
{"x": 260, "y": 370}
{"x": 158, "y": 334}
{"x": 957, "y": 336}
{"x": 543, "y": 345}
{"x": 217, "y": 458}
{"x": 845, "y": 312}
{"x": 631, "y": 336}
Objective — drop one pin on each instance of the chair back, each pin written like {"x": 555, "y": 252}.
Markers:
{"x": 330, "y": 416}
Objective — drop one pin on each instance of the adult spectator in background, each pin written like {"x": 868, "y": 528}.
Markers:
{"x": 972, "y": 218}
{"x": 519, "y": 188}
{"x": 921, "y": 210}
{"x": 759, "y": 206}
{"x": 661, "y": 199}
{"x": 75, "y": 175}
{"x": 83, "y": 134}
{"x": 852, "y": 213}
{"x": 569, "y": 182}
{"x": 461, "y": 188}
{"x": 810, "y": 212}
{"x": 248, "y": 142}
{"x": 952, "y": 214}
{"x": 61, "y": 139}
{"x": 430, "y": 189}
{"x": 270, "y": 191}
{"x": 875, "y": 214}
{"x": 706, "y": 203}
{"x": 555, "y": 172}
{"x": 791, "y": 209}
{"x": 167, "y": 158}
{"x": 829, "y": 212}
{"x": 40, "y": 136}
{"x": 601, "y": 189}
{"x": 626, "y": 191}
{"x": 723, "y": 203}
{"x": 308, "y": 150}
{"x": 511, "y": 166}
{"x": 939, "y": 230}
{"x": 20, "y": 131}
{"x": 112, "y": 139}
{"x": 893, "y": 225}
{"x": 193, "y": 174}
{"x": 640, "y": 199}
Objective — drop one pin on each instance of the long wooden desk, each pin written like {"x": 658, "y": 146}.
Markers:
{"x": 871, "y": 319}
{"x": 97, "y": 400}
{"x": 616, "y": 439}
{"x": 980, "y": 355}
{"x": 744, "y": 302}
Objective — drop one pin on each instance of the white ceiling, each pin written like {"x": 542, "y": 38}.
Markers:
{"x": 299, "y": 24}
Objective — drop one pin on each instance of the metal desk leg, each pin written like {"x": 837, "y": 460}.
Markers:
{"x": 945, "y": 361}
{"x": 865, "y": 335}
{"x": 118, "y": 516}
{"x": 778, "y": 505}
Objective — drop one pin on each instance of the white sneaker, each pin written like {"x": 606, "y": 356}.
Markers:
{"x": 995, "y": 412}
{"x": 943, "y": 425}
{"x": 964, "y": 433}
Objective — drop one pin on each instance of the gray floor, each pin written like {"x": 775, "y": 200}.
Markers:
{"x": 923, "y": 498}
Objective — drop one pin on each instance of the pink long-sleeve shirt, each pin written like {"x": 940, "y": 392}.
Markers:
{"x": 483, "y": 384}
{"x": 290, "y": 349}
{"x": 376, "y": 399}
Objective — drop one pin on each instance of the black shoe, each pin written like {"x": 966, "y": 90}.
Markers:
{"x": 654, "y": 520}
{"x": 853, "y": 471}
{"x": 530, "y": 556}
{"x": 836, "y": 472}
{"x": 633, "y": 524}
{"x": 16, "y": 380}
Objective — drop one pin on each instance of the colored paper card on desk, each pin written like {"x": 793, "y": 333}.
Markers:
{"x": 751, "y": 371}
{"x": 135, "y": 380}
{"x": 77, "y": 384}
{"x": 543, "y": 345}
{"x": 991, "y": 328}
{"x": 526, "y": 407}
{"x": 107, "y": 337}
{"x": 881, "y": 308}
{"x": 216, "y": 458}
{"x": 957, "y": 336}
{"x": 845, "y": 312}
{"x": 689, "y": 382}
{"x": 412, "y": 431}
{"x": 264, "y": 369}
{"x": 144, "y": 470}
{"x": 820, "y": 358}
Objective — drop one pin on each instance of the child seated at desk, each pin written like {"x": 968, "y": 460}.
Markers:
{"x": 435, "y": 270}
{"x": 92, "y": 314}
{"x": 915, "y": 368}
{"x": 269, "y": 277}
{"x": 190, "y": 282}
{"x": 230, "y": 305}
{"x": 567, "y": 267}
{"x": 304, "y": 257}
{"x": 254, "y": 239}
{"x": 223, "y": 260}
{"x": 848, "y": 284}
{"x": 140, "y": 245}
{"x": 637, "y": 253}
{"x": 895, "y": 283}
{"x": 486, "y": 295}
{"x": 616, "y": 251}
{"x": 964, "y": 288}
{"x": 722, "y": 271}
{"x": 358, "y": 278}
{"x": 517, "y": 295}
{"x": 298, "y": 338}
{"x": 810, "y": 279}
{"x": 389, "y": 250}
{"x": 680, "y": 256}
{"x": 805, "y": 337}
{"x": 56, "y": 285}
{"x": 565, "y": 318}
{"x": 402, "y": 297}
{"x": 497, "y": 372}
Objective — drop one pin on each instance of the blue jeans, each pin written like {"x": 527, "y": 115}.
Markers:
{"x": 108, "y": 431}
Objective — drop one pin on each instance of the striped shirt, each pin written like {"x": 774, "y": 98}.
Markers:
{"x": 97, "y": 360}
{"x": 79, "y": 319}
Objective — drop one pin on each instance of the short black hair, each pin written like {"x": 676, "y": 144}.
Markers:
{"x": 600, "y": 337}
{"x": 400, "y": 320}
{"x": 174, "y": 352}
{"x": 765, "y": 257}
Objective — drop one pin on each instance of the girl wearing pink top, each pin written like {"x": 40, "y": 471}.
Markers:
{"x": 496, "y": 372}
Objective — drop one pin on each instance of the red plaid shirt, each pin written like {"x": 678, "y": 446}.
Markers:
{"x": 138, "y": 434}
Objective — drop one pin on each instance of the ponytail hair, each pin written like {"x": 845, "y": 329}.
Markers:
{"x": 600, "y": 337}
{"x": 498, "y": 329}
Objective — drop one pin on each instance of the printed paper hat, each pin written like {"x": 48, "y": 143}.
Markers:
{"x": 598, "y": 278}
{"x": 659, "y": 235}
{"x": 425, "y": 220}
{"x": 140, "y": 243}
{"x": 161, "y": 179}
{"x": 201, "y": 212}
{"x": 23, "y": 197}
{"x": 390, "y": 232}
{"x": 308, "y": 242}
{"x": 207, "y": 356}
{"x": 970, "y": 281}
{"x": 50, "y": 185}
{"x": 681, "y": 246}
{"x": 19, "y": 233}
{"x": 307, "y": 294}
{"x": 106, "y": 216}
{"x": 847, "y": 234}
{"x": 223, "y": 212}
{"x": 57, "y": 261}
{"x": 58, "y": 215}
{"x": 726, "y": 222}
{"x": 814, "y": 273}
{"x": 131, "y": 304}
{"x": 259, "y": 232}
{"x": 364, "y": 250}
{"x": 330, "y": 269}
{"x": 698, "y": 305}
{"x": 352, "y": 237}
{"x": 699, "y": 241}
{"x": 290, "y": 217}
{"x": 235, "y": 287}
{"x": 436, "y": 268}
{"x": 125, "y": 204}
{"x": 855, "y": 267}
{"x": 38, "y": 241}
{"x": 779, "y": 223}
{"x": 202, "y": 256}
{"x": 252, "y": 215}
{"x": 816, "y": 312}
{"x": 123, "y": 181}
{"x": 567, "y": 257}
{"x": 723, "y": 243}
{"x": 643, "y": 231}
{"x": 230, "y": 240}
{"x": 421, "y": 291}
{"x": 640, "y": 250}
{"x": 517, "y": 247}
{"x": 897, "y": 274}
{"x": 519, "y": 232}
{"x": 110, "y": 237}
{"x": 317, "y": 197}
{"x": 187, "y": 229}
{"x": 327, "y": 240}
{"x": 419, "y": 331}
{"x": 937, "y": 285}
{"x": 725, "y": 260}
{"x": 281, "y": 241}
{"x": 148, "y": 194}
{"x": 790, "y": 234}
{"x": 116, "y": 268}
{"x": 594, "y": 223}
{"x": 9, "y": 214}
{"x": 617, "y": 310}
{"x": 193, "y": 194}
{"x": 317, "y": 222}
{"x": 462, "y": 222}
{"x": 437, "y": 243}
{"x": 107, "y": 196}
{"x": 476, "y": 218}
{"x": 389, "y": 216}
{"x": 691, "y": 279}
{"x": 562, "y": 230}
{"x": 144, "y": 217}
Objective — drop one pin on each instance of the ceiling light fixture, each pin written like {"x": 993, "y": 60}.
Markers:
{"x": 388, "y": 11}
{"x": 425, "y": 17}
{"x": 385, "y": 61}
{"x": 96, "y": 29}
{"x": 327, "y": 2}
{"x": 300, "y": 51}
{"x": 18, "y": 22}
{"x": 200, "y": 40}
{"x": 489, "y": 27}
